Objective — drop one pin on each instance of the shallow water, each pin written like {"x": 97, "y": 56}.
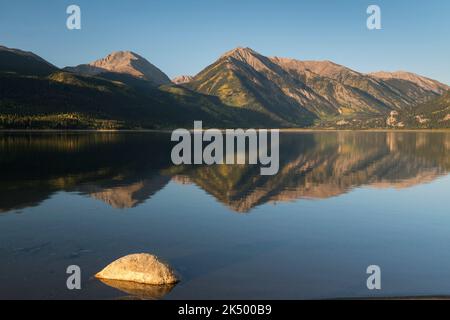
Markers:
{"x": 341, "y": 201}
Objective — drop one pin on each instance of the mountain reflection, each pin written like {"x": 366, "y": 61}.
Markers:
{"x": 126, "y": 169}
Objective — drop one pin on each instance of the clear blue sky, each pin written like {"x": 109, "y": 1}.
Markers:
{"x": 182, "y": 37}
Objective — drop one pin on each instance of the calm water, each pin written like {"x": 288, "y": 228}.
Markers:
{"x": 341, "y": 201}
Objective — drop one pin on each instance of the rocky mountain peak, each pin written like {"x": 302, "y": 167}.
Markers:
{"x": 246, "y": 55}
{"x": 240, "y": 52}
{"x": 124, "y": 62}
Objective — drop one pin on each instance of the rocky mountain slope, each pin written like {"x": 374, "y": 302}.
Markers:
{"x": 243, "y": 78}
{"x": 317, "y": 90}
{"x": 398, "y": 77}
{"x": 354, "y": 92}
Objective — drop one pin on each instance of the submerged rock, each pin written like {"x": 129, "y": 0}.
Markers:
{"x": 140, "y": 268}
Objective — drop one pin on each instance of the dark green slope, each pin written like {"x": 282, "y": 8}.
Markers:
{"x": 26, "y": 63}
{"x": 67, "y": 101}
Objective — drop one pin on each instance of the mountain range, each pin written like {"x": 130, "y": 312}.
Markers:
{"x": 241, "y": 89}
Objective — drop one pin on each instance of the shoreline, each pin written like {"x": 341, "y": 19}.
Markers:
{"x": 293, "y": 130}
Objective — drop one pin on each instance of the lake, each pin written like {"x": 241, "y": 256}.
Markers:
{"x": 340, "y": 202}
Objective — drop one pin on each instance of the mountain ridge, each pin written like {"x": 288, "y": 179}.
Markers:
{"x": 242, "y": 88}
{"x": 422, "y": 81}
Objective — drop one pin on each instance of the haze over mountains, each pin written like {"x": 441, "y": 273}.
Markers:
{"x": 241, "y": 89}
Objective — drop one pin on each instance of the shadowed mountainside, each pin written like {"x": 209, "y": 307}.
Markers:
{"x": 22, "y": 62}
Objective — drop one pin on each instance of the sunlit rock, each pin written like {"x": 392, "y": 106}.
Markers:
{"x": 140, "y": 268}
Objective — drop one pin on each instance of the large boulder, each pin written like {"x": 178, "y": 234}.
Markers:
{"x": 141, "y": 268}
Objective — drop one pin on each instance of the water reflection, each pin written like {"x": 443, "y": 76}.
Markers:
{"x": 126, "y": 169}
{"x": 140, "y": 291}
